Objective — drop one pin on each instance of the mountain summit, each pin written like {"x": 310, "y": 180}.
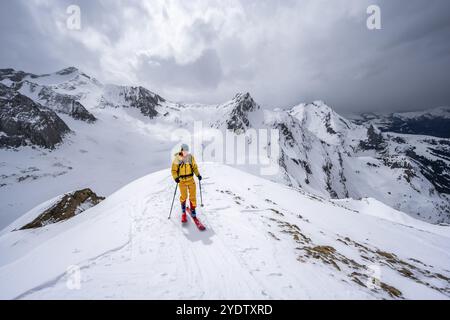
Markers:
{"x": 243, "y": 104}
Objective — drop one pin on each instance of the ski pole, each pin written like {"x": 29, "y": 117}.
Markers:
{"x": 173, "y": 200}
{"x": 201, "y": 196}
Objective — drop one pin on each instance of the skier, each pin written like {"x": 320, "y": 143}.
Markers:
{"x": 183, "y": 169}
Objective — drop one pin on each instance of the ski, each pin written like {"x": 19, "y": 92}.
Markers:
{"x": 197, "y": 222}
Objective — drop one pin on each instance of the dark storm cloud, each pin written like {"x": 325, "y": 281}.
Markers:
{"x": 283, "y": 52}
{"x": 20, "y": 42}
{"x": 205, "y": 73}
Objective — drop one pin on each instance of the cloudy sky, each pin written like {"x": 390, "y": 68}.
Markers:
{"x": 282, "y": 51}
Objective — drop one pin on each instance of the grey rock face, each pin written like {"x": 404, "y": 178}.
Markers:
{"x": 46, "y": 94}
{"x": 70, "y": 205}
{"x": 65, "y": 104}
{"x": 13, "y": 75}
{"x": 434, "y": 168}
{"x": 144, "y": 100}
{"x": 244, "y": 104}
{"x": 374, "y": 140}
{"x": 24, "y": 122}
{"x": 79, "y": 112}
{"x": 132, "y": 97}
{"x": 66, "y": 71}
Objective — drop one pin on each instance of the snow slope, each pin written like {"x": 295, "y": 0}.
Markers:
{"x": 264, "y": 240}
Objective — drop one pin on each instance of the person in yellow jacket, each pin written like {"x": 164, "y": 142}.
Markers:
{"x": 183, "y": 169}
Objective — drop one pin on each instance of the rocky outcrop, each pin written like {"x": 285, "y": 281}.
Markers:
{"x": 79, "y": 112}
{"x": 24, "y": 122}
{"x": 65, "y": 104}
{"x": 375, "y": 140}
{"x": 132, "y": 97}
{"x": 67, "y": 71}
{"x": 47, "y": 95}
{"x": 243, "y": 105}
{"x": 434, "y": 169}
{"x": 14, "y": 76}
{"x": 67, "y": 207}
{"x": 144, "y": 100}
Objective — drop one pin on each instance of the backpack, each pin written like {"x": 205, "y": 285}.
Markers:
{"x": 192, "y": 169}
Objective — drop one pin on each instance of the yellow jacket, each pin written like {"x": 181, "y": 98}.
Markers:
{"x": 184, "y": 168}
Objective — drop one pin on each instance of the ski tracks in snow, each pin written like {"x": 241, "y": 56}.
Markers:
{"x": 180, "y": 262}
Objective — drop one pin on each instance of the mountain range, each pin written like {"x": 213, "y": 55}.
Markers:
{"x": 57, "y": 129}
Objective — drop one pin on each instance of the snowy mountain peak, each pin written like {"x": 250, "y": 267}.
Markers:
{"x": 131, "y": 97}
{"x": 242, "y": 106}
{"x": 245, "y": 102}
{"x": 319, "y": 104}
{"x": 243, "y": 96}
{"x": 321, "y": 120}
{"x": 146, "y": 92}
{"x": 318, "y": 107}
{"x": 67, "y": 71}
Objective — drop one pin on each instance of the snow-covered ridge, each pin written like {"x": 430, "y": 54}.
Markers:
{"x": 277, "y": 242}
{"x": 322, "y": 121}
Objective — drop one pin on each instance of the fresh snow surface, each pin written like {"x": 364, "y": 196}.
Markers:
{"x": 255, "y": 247}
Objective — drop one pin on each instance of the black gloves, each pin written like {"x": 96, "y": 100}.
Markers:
{"x": 177, "y": 180}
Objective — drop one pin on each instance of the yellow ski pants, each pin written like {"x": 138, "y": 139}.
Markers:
{"x": 185, "y": 186}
